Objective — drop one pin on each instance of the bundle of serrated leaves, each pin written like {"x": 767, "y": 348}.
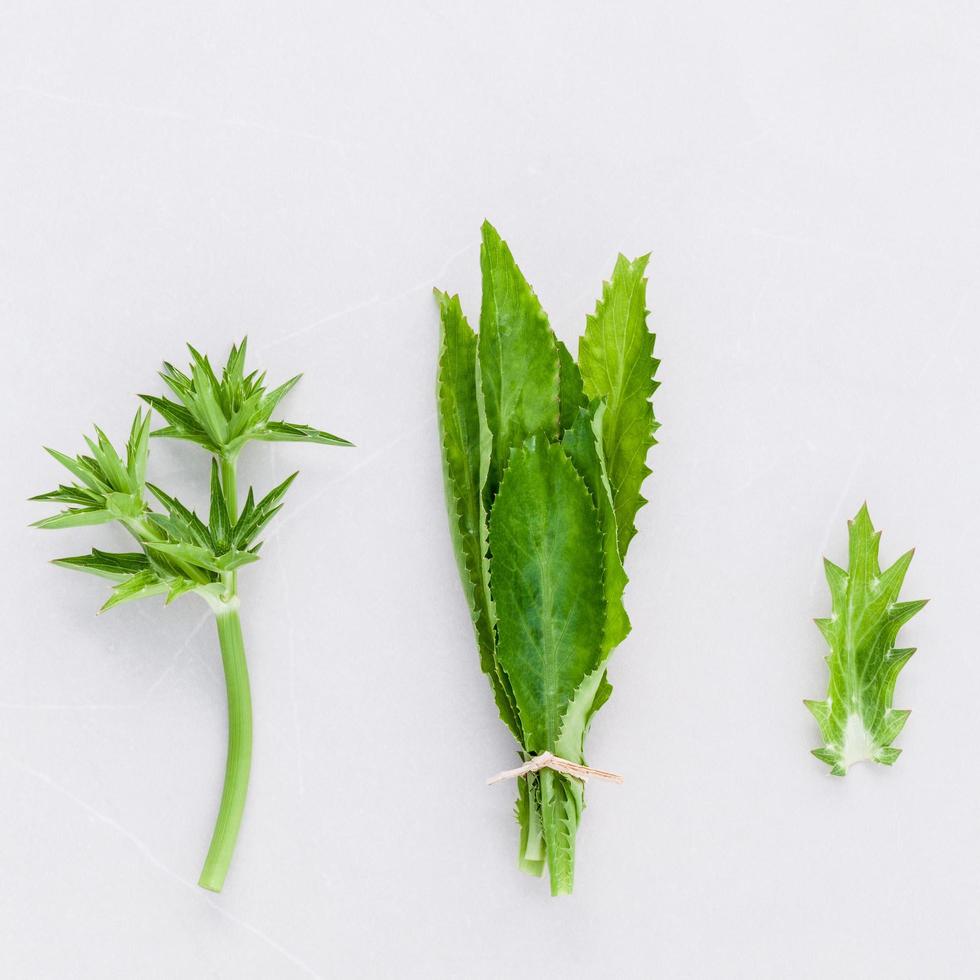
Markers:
{"x": 544, "y": 460}
{"x": 857, "y": 720}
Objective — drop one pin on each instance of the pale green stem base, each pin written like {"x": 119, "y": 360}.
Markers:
{"x": 239, "y": 761}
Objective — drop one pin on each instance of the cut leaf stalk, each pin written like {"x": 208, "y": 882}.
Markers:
{"x": 239, "y": 760}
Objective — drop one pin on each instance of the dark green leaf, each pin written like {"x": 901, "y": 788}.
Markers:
{"x": 546, "y": 578}
{"x": 518, "y": 358}
{"x": 459, "y": 426}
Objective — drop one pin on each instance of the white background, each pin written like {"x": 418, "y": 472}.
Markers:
{"x": 805, "y": 175}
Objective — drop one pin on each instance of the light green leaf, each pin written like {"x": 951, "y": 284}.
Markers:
{"x": 617, "y": 363}
{"x": 115, "y": 566}
{"x": 518, "y": 358}
{"x": 272, "y": 399}
{"x": 532, "y": 855}
{"x": 232, "y": 560}
{"x": 80, "y": 469}
{"x": 189, "y": 553}
{"x": 546, "y": 579}
{"x": 141, "y": 586}
{"x": 124, "y": 506}
{"x": 857, "y": 720}
{"x": 75, "y": 518}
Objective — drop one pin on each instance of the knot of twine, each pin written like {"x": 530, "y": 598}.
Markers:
{"x": 548, "y": 760}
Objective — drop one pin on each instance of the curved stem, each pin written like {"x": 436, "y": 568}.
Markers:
{"x": 239, "y": 760}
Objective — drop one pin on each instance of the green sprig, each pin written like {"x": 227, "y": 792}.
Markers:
{"x": 180, "y": 552}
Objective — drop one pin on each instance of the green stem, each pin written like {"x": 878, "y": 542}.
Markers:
{"x": 239, "y": 749}
{"x": 229, "y": 485}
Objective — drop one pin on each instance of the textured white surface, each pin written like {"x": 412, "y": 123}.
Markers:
{"x": 806, "y": 178}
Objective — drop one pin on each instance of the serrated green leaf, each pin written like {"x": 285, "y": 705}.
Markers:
{"x": 546, "y": 575}
{"x": 518, "y": 358}
{"x": 857, "y": 720}
{"x": 542, "y": 548}
{"x": 459, "y": 428}
{"x": 583, "y": 444}
{"x": 617, "y": 363}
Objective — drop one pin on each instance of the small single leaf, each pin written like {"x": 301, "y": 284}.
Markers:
{"x": 857, "y": 720}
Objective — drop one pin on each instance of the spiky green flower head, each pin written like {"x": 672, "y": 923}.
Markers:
{"x": 179, "y": 552}
{"x": 223, "y": 414}
{"x": 857, "y": 720}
